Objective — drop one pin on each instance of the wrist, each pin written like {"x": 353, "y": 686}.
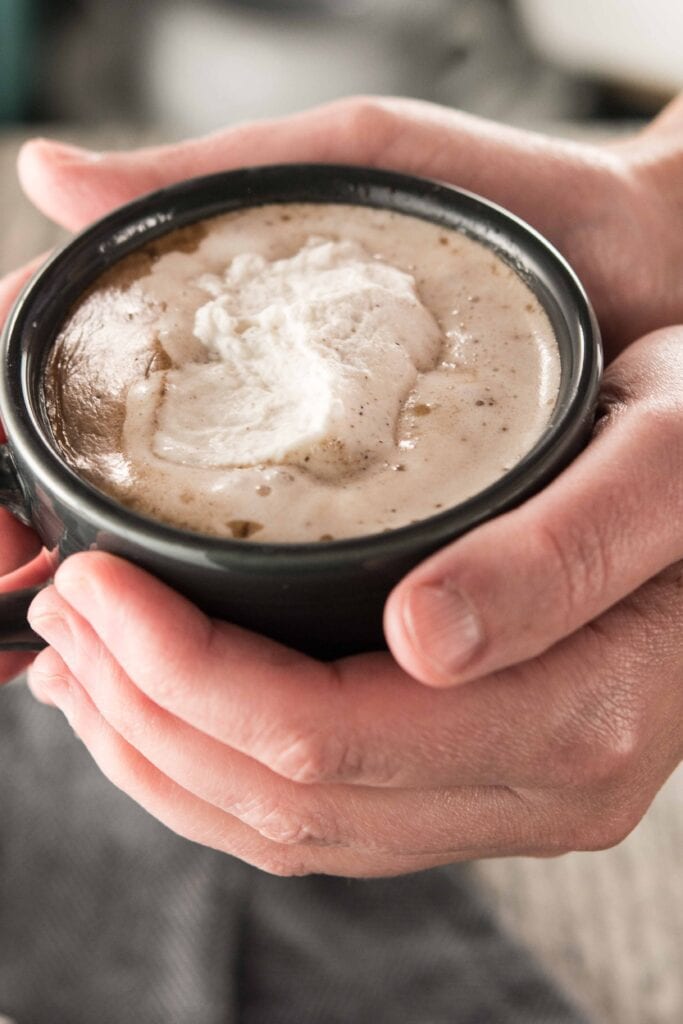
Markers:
{"x": 655, "y": 157}
{"x": 652, "y": 163}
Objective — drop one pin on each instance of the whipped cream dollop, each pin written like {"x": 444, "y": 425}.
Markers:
{"x": 306, "y": 360}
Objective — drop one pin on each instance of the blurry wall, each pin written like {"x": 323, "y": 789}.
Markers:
{"x": 188, "y": 67}
{"x": 18, "y": 33}
{"x": 635, "y": 43}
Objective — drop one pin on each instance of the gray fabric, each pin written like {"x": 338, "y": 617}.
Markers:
{"x": 108, "y": 918}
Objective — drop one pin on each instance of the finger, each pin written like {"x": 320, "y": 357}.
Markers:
{"x": 586, "y": 199}
{"x": 51, "y": 680}
{"x": 192, "y": 818}
{"x": 495, "y": 821}
{"x": 366, "y": 820}
{"x": 594, "y": 825}
{"x": 517, "y": 168}
{"x": 73, "y": 186}
{"x": 207, "y": 768}
{"x": 611, "y": 521}
{"x": 364, "y": 721}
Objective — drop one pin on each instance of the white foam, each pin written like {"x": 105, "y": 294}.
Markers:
{"x": 309, "y": 361}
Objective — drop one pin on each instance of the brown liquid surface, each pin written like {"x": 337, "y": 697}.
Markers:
{"x": 481, "y": 404}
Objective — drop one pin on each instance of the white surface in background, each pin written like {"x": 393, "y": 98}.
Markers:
{"x": 634, "y": 41}
{"x": 207, "y": 66}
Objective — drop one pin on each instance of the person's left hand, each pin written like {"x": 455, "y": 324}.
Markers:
{"x": 550, "y": 639}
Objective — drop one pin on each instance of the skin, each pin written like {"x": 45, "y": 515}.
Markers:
{"x": 532, "y": 700}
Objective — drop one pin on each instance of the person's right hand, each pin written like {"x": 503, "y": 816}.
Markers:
{"x": 611, "y": 210}
{"x": 22, "y": 563}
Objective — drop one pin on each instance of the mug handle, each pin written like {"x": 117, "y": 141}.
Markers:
{"x": 15, "y": 632}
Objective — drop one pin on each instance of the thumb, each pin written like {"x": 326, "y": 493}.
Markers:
{"x": 518, "y": 584}
{"x": 74, "y": 186}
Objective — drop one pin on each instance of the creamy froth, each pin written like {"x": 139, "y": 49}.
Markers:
{"x": 309, "y": 360}
{"x": 302, "y": 372}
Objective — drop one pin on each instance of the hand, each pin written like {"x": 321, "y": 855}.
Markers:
{"x": 609, "y": 209}
{"x": 566, "y": 721}
{"x": 22, "y": 561}
{"x": 357, "y": 768}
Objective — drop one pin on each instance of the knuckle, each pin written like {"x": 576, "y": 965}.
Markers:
{"x": 291, "y": 829}
{"x": 599, "y": 762}
{"x": 578, "y": 559}
{"x": 606, "y": 823}
{"x": 620, "y": 751}
{"x": 303, "y": 758}
{"x": 619, "y": 730}
{"x": 369, "y": 120}
{"x": 287, "y": 825}
{"x": 218, "y": 834}
{"x": 584, "y": 822}
{"x": 316, "y": 757}
{"x": 602, "y": 742}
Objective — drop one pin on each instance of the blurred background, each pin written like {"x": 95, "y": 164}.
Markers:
{"x": 119, "y": 73}
{"x": 189, "y": 67}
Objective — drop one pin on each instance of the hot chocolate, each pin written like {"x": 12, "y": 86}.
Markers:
{"x": 302, "y": 372}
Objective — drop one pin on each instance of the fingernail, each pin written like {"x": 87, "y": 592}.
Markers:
{"x": 443, "y": 627}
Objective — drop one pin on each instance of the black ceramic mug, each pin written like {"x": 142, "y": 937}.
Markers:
{"x": 326, "y": 599}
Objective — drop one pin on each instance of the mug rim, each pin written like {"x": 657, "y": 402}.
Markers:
{"x": 135, "y": 224}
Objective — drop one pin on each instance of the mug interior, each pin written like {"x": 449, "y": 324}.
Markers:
{"x": 48, "y": 299}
